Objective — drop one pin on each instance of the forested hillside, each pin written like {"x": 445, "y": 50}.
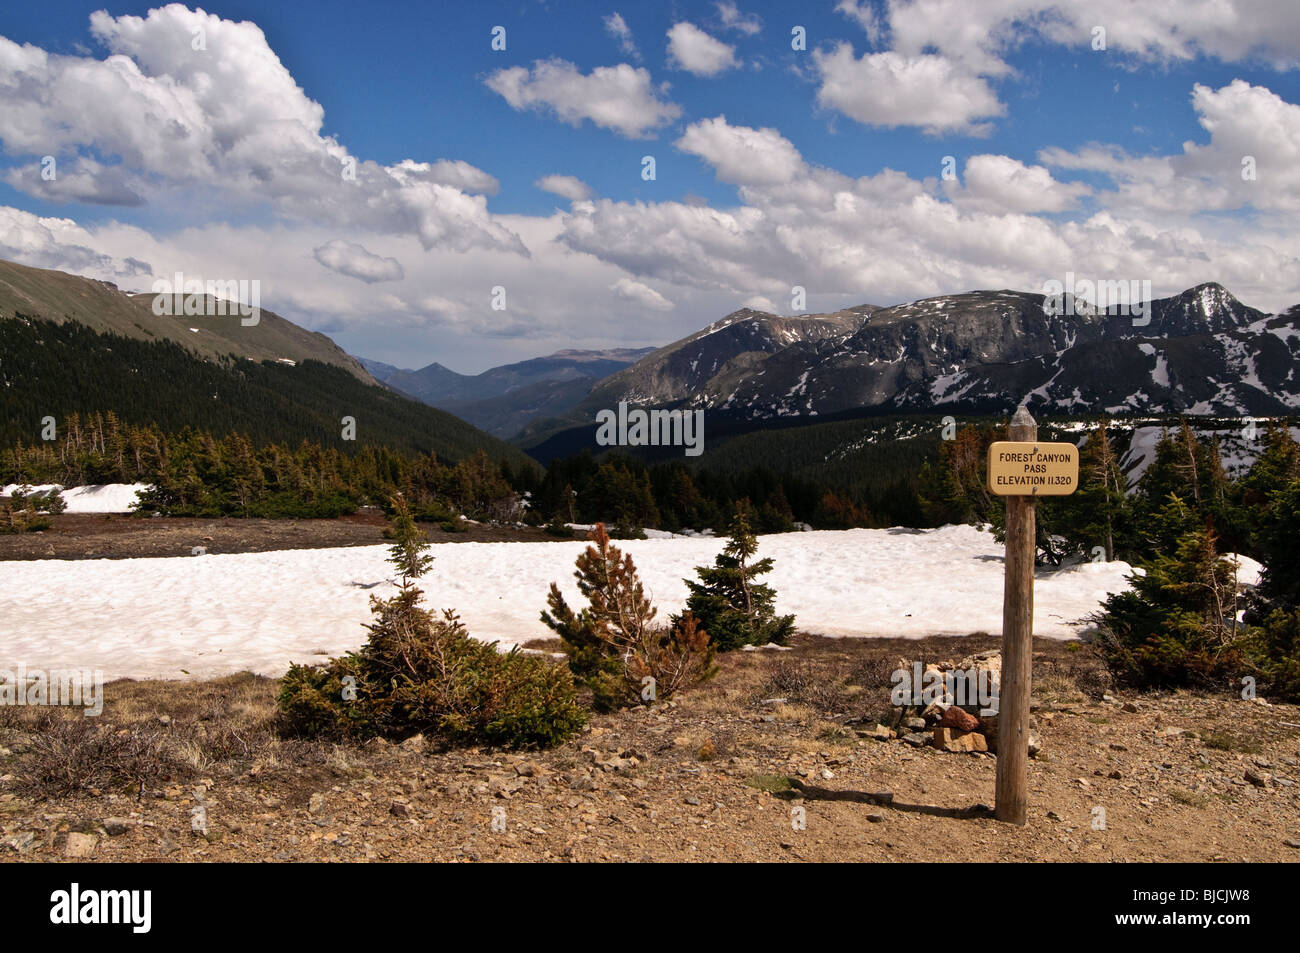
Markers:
{"x": 55, "y": 370}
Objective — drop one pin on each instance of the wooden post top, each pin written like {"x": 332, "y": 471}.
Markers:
{"x": 1023, "y": 426}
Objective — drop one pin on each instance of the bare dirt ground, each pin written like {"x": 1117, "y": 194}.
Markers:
{"x": 770, "y": 761}
{"x": 123, "y": 536}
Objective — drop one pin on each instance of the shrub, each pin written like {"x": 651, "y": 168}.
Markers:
{"x": 421, "y": 673}
{"x": 613, "y": 644}
{"x": 1178, "y": 625}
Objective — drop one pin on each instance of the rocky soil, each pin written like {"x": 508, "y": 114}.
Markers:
{"x": 124, "y": 536}
{"x": 782, "y": 757}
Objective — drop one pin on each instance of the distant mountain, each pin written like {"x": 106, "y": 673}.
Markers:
{"x": 102, "y": 306}
{"x": 502, "y": 400}
{"x": 1201, "y": 352}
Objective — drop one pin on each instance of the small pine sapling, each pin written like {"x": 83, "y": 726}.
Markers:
{"x": 731, "y": 606}
{"x": 613, "y": 644}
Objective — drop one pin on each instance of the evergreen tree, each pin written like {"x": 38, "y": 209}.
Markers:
{"x": 732, "y": 606}
{"x": 1177, "y": 625}
{"x": 613, "y": 644}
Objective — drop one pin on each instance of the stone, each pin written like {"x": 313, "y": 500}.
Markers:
{"x": 80, "y": 845}
{"x": 955, "y": 717}
{"x": 117, "y": 825}
{"x": 951, "y": 739}
{"x": 916, "y": 739}
{"x": 316, "y": 803}
{"x": 915, "y": 724}
{"x": 1257, "y": 778}
{"x": 876, "y": 818}
{"x": 414, "y": 743}
{"x": 399, "y": 809}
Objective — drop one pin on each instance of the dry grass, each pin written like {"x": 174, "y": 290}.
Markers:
{"x": 152, "y": 732}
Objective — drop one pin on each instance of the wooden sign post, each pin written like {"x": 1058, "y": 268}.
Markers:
{"x": 1043, "y": 469}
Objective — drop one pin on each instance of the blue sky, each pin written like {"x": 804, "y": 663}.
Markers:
{"x": 774, "y": 167}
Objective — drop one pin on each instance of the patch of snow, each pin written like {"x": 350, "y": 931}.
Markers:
{"x": 98, "y": 498}
{"x": 178, "y": 617}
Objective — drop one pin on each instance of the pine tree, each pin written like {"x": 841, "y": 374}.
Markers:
{"x": 1177, "y": 625}
{"x": 613, "y": 644}
{"x": 733, "y": 608}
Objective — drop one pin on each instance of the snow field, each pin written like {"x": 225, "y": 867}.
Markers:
{"x": 209, "y": 615}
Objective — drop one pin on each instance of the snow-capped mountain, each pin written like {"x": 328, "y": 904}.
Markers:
{"x": 1199, "y": 352}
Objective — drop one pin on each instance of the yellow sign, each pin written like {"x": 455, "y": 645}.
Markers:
{"x": 1033, "y": 469}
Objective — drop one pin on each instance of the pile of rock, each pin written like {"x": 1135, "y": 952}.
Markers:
{"x": 944, "y": 723}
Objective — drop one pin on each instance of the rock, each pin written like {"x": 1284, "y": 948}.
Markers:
{"x": 914, "y": 724}
{"x": 80, "y": 845}
{"x": 951, "y": 739}
{"x": 117, "y": 825}
{"x": 414, "y": 743}
{"x": 527, "y": 769}
{"x": 22, "y": 842}
{"x": 1257, "y": 778}
{"x": 316, "y": 803}
{"x": 879, "y": 732}
{"x": 917, "y": 739}
{"x": 1292, "y": 843}
{"x": 955, "y": 717}
{"x": 1129, "y": 707}
{"x": 828, "y": 774}
{"x": 399, "y": 808}
{"x": 876, "y": 818}
{"x": 1034, "y": 745}
{"x": 164, "y": 720}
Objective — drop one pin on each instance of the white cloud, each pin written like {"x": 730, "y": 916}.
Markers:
{"x": 742, "y": 155}
{"x": 621, "y": 98}
{"x": 353, "y": 260}
{"x": 1243, "y": 121}
{"x": 693, "y": 50}
{"x": 889, "y": 89}
{"x": 62, "y": 244}
{"x": 225, "y": 126}
{"x": 617, "y": 27}
{"x": 629, "y": 289}
{"x": 733, "y": 19}
{"x": 565, "y": 186}
{"x": 996, "y": 183}
{"x": 864, "y": 14}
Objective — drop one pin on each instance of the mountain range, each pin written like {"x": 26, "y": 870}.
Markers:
{"x": 1201, "y": 352}
{"x": 504, "y": 399}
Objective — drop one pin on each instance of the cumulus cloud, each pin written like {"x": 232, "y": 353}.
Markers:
{"x": 228, "y": 121}
{"x": 889, "y": 237}
{"x": 617, "y": 27}
{"x": 629, "y": 289}
{"x": 353, "y": 260}
{"x": 942, "y": 53}
{"x": 732, "y": 19}
{"x": 565, "y": 186}
{"x": 1252, "y": 158}
{"x": 61, "y": 244}
{"x": 621, "y": 98}
{"x": 693, "y": 50}
{"x": 741, "y": 155}
{"x": 999, "y": 183}
{"x": 890, "y": 89}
